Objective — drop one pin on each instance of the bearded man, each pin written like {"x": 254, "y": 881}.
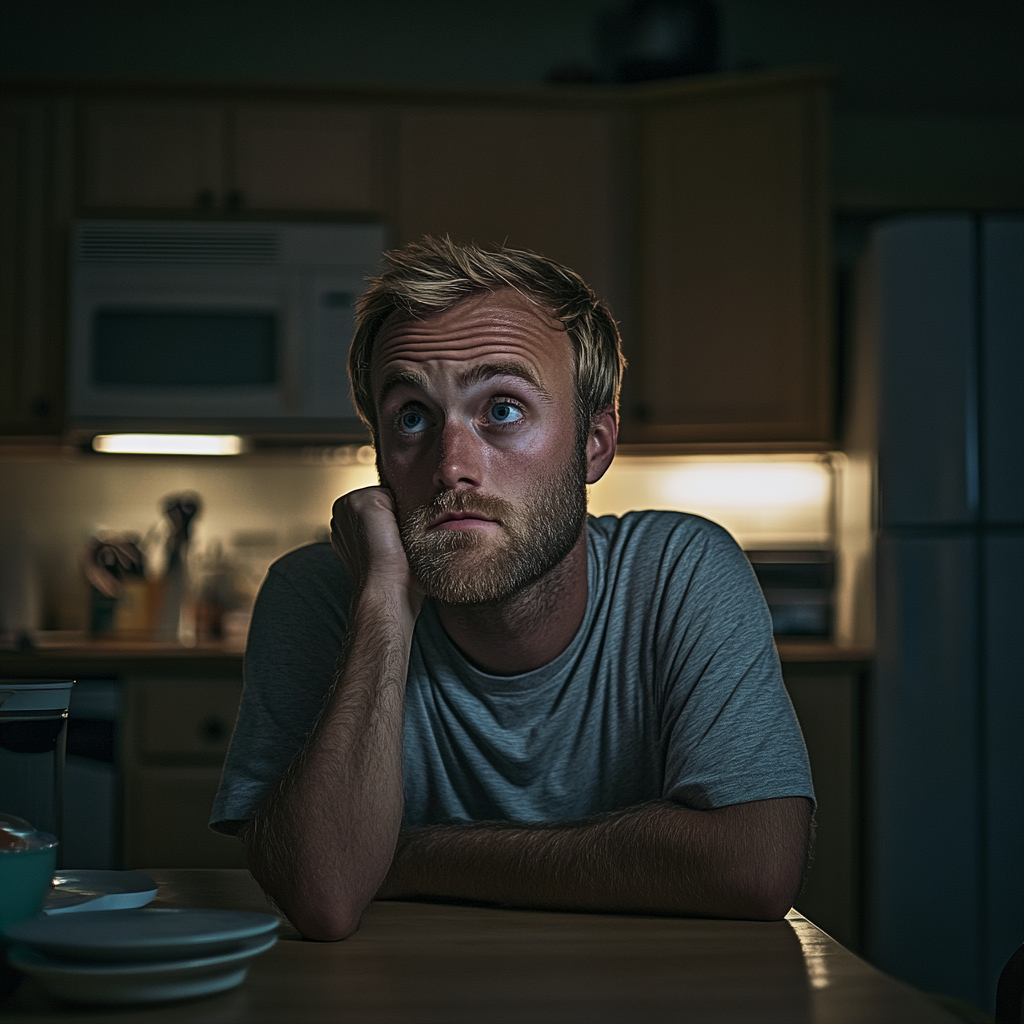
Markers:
{"x": 480, "y": 695}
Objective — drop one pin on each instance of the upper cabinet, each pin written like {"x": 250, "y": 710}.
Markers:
{"x": 35, "y": 207}
{"x": 530, "y": 177}
{"x": 734, "y": 285}
{"x": 307, "y": 157}
{"x": 697, "y": 208}
{"x": 150, "y": 155}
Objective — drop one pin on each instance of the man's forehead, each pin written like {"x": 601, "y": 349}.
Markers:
{"x": 500, "y": 322}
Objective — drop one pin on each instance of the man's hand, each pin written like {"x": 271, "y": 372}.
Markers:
{"x": 364, "y": 534}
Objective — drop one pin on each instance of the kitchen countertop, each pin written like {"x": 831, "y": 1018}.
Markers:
{"x": 79, "y": 654}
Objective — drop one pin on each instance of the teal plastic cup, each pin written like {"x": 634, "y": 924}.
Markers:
{"x": 27, "y": 861}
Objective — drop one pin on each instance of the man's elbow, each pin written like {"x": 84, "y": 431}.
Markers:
{"x": 767, "y": 905}
{"x": 768, "y": 896}
{"x": 322, "y": 924}
{"x": 321, "y": 916}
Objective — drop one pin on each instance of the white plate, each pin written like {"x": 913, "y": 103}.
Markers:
{"x": 122, "y": 936}
{"x": 139, "y": 982}
{"x": 99, "y": 890}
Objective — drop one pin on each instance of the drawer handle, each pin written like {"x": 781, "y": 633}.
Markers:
{"x": 213, "y": 729}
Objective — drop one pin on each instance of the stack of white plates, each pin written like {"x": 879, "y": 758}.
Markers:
{"x": 129, "y": 956}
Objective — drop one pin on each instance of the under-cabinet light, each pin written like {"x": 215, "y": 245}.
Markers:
{"x": 751, "y": 484}
{"x": 776, "y": 500}
{"x": 168, "y": 444}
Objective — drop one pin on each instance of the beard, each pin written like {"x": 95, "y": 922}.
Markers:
{"x": 465, "y": 567}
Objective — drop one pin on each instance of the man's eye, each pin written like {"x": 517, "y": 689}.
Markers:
{"x": 503, "y": 412}
{"x": 412, "y": 422}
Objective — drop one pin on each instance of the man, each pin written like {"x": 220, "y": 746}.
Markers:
{"x": 479, "y": 696}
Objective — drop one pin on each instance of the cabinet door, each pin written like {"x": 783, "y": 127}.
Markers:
{"x": 532, "y": 179}
{"x": 176, "y": 734}
{"x": 153, "y": 155}
{"x": 166, "y": 821}
{"x": 734, "y": 290}
{"x": 827, "y": 700}
{"x": 308, "y": 157}
{"x": 32, "y": 267}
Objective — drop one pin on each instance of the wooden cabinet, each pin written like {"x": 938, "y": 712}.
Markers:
{"x": 176, "y": 735}
{"x": 828, "y": 697}
{"x": 308, "y": 157}
{"x": 698, "y": 209}
{"x": 150, "y": 155}
{"x": 35, "y": 138}
{"x": 734, "y": 289}
{"x": 539, "y": 178}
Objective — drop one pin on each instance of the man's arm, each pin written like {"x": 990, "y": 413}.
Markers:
{"x": 743, "y": 861}
{"x": 322, "y": 842}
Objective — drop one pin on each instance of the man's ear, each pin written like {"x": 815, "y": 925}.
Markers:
{"x": 604, "y": 433}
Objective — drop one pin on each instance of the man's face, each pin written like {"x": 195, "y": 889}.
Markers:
{"x": 477, "y": 443}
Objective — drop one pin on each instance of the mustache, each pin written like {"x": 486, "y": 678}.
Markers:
{"x": 486, "y": 505}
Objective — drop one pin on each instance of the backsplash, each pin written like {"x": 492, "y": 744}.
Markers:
{"x": 256, "y": 507}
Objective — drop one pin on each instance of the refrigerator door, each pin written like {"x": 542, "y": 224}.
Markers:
{"x": 1003, "y": 654}
{"x": 925, "y": 862}
{"x": 1002, "y": 391}
{"x": 927, "y": 445}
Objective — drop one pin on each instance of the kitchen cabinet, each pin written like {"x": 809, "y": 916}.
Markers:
{"x": 180, "y": 706}
{"x": 35, "y": 137}
{"x": 828, "y": 698}
{"x": 308, "y": 157}
{"x": 543, "y": 178}
{"x": 155, "y": 155}
{"x": 148, "y": 154}
{"x": 177, "y": 731}
{"x": 698, "y": 209}
{"x": 734, "y": 260}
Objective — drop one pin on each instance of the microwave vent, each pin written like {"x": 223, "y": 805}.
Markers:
{"x": 165, "y": 243}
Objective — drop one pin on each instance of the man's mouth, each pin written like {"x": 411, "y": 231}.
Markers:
{"x": 461, "y": 521}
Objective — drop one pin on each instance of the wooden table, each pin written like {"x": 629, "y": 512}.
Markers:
{"x": 422, "y": 963}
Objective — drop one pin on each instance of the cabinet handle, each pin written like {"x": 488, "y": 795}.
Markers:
{"x": 213, "y": 729}
{"x": 234, "y": 199}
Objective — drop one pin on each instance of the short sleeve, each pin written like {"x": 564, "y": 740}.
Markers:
{"x": 297, "y": 631}
{"x": 728, "y": 727}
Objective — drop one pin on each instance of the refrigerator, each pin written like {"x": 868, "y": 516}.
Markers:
{"x": 944, "y": 297}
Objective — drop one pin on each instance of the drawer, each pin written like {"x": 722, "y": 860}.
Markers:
{"x": 187, "y": 718}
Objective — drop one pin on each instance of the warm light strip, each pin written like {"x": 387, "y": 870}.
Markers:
{"x": 751, "y": 485}
{"x": 168, "y": 444}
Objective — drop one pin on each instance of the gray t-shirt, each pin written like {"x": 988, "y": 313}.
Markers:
{"x": 671, "y": 689}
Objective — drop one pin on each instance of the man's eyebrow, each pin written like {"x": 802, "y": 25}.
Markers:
{"x": 509, "y": 368}
{"x": 399, "y": 379}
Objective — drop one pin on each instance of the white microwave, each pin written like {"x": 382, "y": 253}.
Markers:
{"x": 239, "y": 327}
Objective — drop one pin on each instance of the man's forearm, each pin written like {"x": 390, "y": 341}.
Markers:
{"x": 322, "y": 842}
{"x": 744, "y": 861}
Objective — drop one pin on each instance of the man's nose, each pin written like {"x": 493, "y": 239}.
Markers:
{"x": 460, "y": 459}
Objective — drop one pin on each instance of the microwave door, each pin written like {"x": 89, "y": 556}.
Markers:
{"x": 178, "y": 356}
{"x": 291, "y": 355}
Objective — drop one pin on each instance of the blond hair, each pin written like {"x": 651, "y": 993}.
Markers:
{"x": 430, "y": 276}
